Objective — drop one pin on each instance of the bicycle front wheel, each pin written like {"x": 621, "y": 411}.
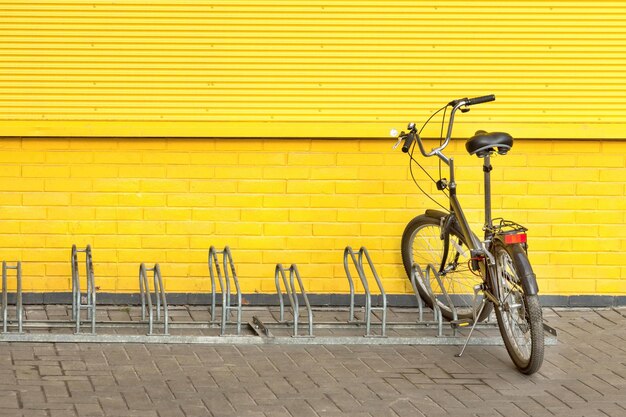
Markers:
{"x": 519, "y": 316}
{"x": 422, "y": 244}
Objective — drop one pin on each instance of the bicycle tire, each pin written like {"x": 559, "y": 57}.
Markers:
{"x": 522, "y": 332}
{"x": 422, "y": 244}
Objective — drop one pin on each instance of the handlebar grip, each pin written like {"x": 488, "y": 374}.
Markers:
{"x": 479, "y": 100}
{"x": 408, "y": 142}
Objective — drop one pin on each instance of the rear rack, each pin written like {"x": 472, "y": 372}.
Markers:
{"x": 505, "y": 227}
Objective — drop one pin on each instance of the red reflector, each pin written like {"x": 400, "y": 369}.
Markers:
{"x": 516, "y": 238}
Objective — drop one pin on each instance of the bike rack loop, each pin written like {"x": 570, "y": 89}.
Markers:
{"x": 18, "y": 302}
{"x": 159, "y": 295}
{"x": 349, "y": 252}
{"x": 437, "y": 316}
{"x": 447, "y": 297}
{"x": 225, "y": 287}
{"x": 358, "y": 264}
{"x": 425, "y": 275}
{"x": 77, "y": 296}
{"x": 290, "y": 288}
{"x": 415, "y": 269}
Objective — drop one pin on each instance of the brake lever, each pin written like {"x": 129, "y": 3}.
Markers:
{"x": 394, "y": 133}
{"x": 397, "y": 143}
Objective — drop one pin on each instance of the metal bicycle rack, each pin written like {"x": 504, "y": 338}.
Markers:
{"x": 358, "y": 264}
{"x": 353, "y": 323}
{"x": 225, "y": 287}
{"x": 19, "y": 310}
{"x": 292, "y": 294}
{"x": 159, "y": 295}
{"x": 437, "y": 315}
{"x": 259, "y": 330}
{"x": 87, "y": 300}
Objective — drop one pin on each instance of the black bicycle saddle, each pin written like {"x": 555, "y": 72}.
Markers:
{"x": 483, "y": 143}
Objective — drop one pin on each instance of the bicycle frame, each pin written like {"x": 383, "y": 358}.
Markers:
{"x": 508, "y": 282}
{"x": 455, "y": 205}
{"x": 478, "y": 249}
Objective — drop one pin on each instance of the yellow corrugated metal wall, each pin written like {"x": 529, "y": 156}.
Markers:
{"x": 308, "y": 68}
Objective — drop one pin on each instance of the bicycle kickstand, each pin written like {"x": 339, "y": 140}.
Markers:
{"x": 480, "y": 311}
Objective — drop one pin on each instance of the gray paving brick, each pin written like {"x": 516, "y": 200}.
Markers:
{"x": 300, "y": 408}
{"x": 91, "y": 410}
{"x": 112, "y": 402}
{"x": 612, "y": 410}
{"x": 40, "y": 413}
{"x": 62, "y": 413}
{"x": 58, "y": 389}
{"x": 383, "y": 389}
{"x": 192, "y": 410}
{"x": 217, "y": 403}
{"x": 9, "y": 400}
{"x": 136, "y": 413}
{"x": 584, "y": 375}
{"x": 174, "y": 412}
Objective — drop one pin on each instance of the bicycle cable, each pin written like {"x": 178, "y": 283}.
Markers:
{"x": 412, "y": 159}
{"x": 443, "y": 120}
{"x": 419, "y": 187}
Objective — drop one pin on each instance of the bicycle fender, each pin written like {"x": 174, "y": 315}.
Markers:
{"x": 451, "y": 222}
{"x": 529, "y": 279}
{"x": 435, "y": 214}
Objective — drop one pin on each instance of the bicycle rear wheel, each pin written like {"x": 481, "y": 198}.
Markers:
{"x": 519, "y": 316}
{"x": 422, "y": 244}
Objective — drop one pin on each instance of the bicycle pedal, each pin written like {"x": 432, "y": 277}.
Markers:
{"x": 462, "y": 322}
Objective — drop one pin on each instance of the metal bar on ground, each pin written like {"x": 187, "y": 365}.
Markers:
{"x": 249, "y": 340}
{"x": 257, "y": 333}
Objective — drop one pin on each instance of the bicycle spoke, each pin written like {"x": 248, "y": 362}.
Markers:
{"x": 513, "y": 313}
{"x": 456, "y": 279}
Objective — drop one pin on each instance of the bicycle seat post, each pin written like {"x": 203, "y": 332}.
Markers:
{"x": 487, "y": 168}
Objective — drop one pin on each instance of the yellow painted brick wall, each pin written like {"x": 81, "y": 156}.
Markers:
{"x": 302, "y": 201}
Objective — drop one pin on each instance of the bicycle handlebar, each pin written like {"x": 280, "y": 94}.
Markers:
{"x": 479, "y": 100}
{"x": 408, "y": 142}
{"x": 455, "y": 104}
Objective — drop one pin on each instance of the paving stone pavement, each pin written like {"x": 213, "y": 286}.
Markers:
{"x": 584, "y": 375}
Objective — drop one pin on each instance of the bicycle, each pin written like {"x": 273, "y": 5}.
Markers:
{"x": 473, "y": 277}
